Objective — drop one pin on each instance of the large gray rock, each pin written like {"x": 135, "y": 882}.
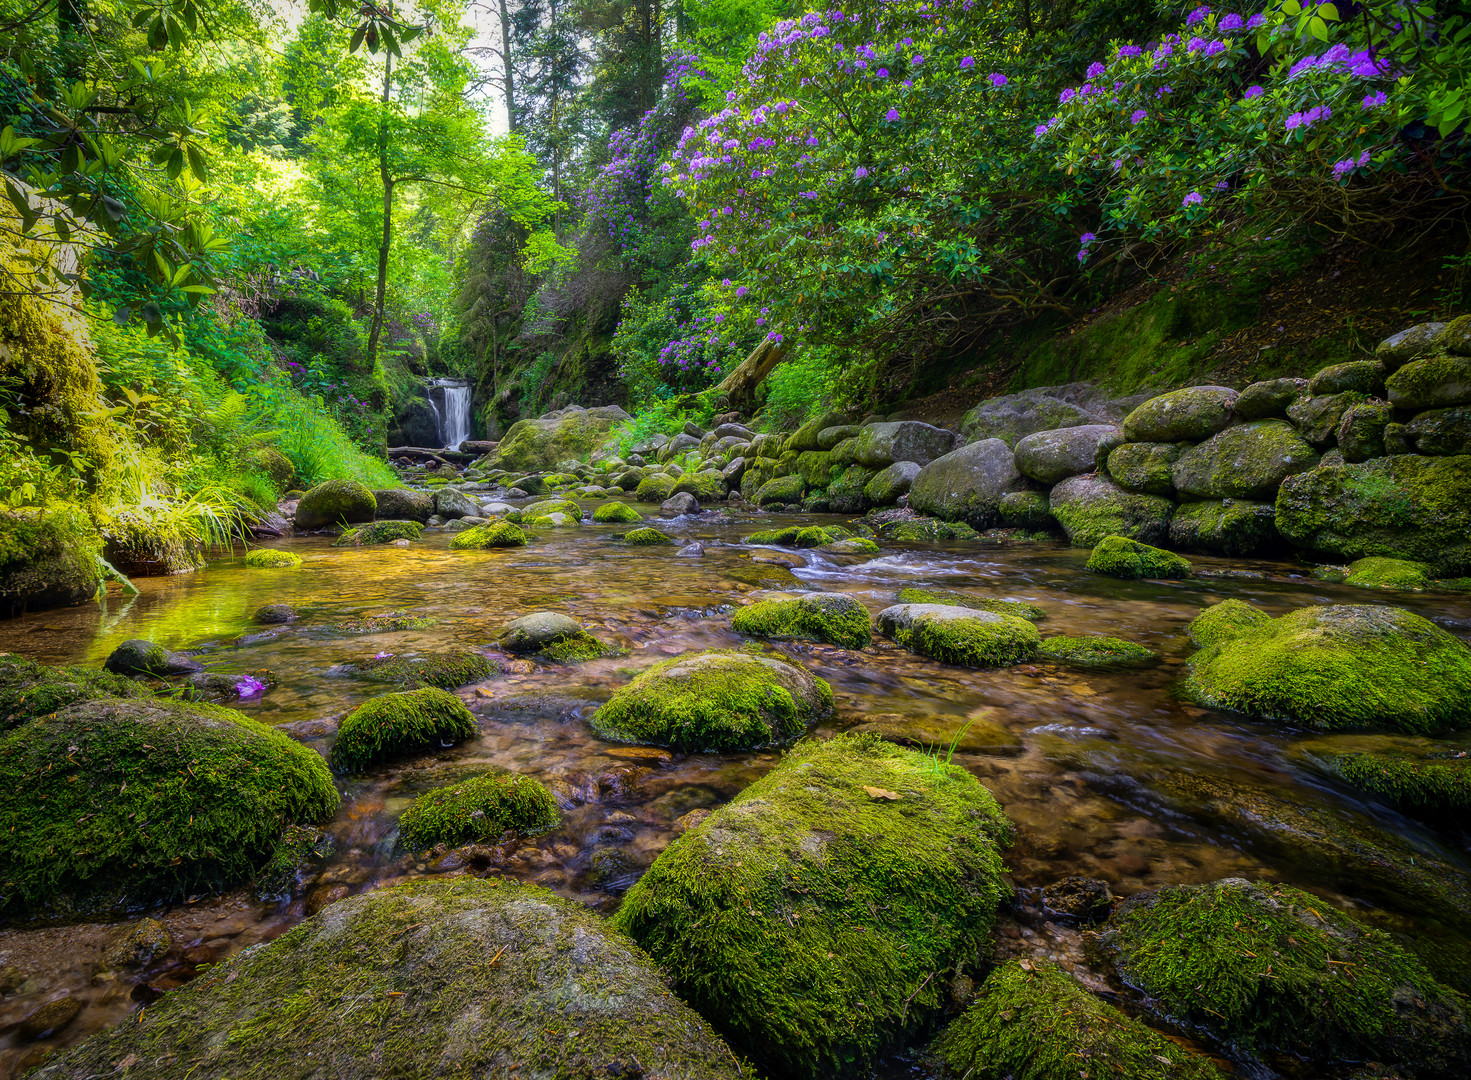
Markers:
{"x": 1091, "y": 507}
{"x": 1360, "y": 433}
{"x": 1013, "y": 416}
{"x": 1196, "y": 412}
{"x": 1436, "y": 382}
{"x": 534, "y": 632}
{"x": 903, "y": 440}
{"x": 1144, "y": 467}
{"x": 1268, "y": 398}
{"x": 451, "y": 503}
{"x": 885, "y": 488}
{"x": 1225, "y": 527}
{"x": 1050, "y": 456}
{"x": 1317, "y": 418}
{"x": 733, "y": 472}
{"x": 1248, "y": 461}
{"x": 1397, "y": 350}
{"x": 678, "y": 445}
{"x": 400, "y": 982}
{"x": 1360, "y": 376}
{"x": 1441, "y": 431}
{"x": 727, "y": 446}
{"x": 1404, "y": 507}
{"x": 829, "y": 437}
{"x": 738, "y": 431}
{"x": 966, "y": 484}
{"x": 400, "y": 504}
{"x": 681, "y": 502}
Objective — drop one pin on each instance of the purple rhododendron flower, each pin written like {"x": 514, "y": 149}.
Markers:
{"x": 996, "y": 79}
{"x": 1139, "y": 116}
{"x": 1195, "y": 44}
{"x": 891, "y": 115}
{"x": 741, "y": 290}
{"x": 917, "y": 59}
{"x": 1066, "y": 96}
{"x": 883, "y": 73}
{"x": 1230, "y": 22}
{"x": 1256, "y": 21}
{"x": 249, "y": 686}
{"x": 1127, "y": 51}
{"x": 1215, "y": 48}
{"x": 1252, "y": 92}
{"x": 967, "y": 62}
{"x": 1197, "y": 16}
{"x": 1373, "y": 101}
{"x": 859, "y": 173}
{"x": 1095, "y": 69}
{"x": 1193, "y": 199}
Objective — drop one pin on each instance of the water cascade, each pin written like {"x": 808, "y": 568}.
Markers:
{"x": 450, "y": 401}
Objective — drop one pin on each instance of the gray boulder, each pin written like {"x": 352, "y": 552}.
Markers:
{"x": 1191, "y": 414}
{"x": 534, "y": 632}
{"x": 1050, "y": 456}
{"x": 737, "y": 431}
{"x": 1225, "y": 527}
{"x": 903, "y": 440}
{"x": 681, "y": 502}
{"x": 891, "y": 482}
{"x": 399, "y": 504}
{"x": 1397, "y": 350}
{"x": 139, "y": 657}
{"x": 451, "y": 503}
{"x": 1013, "y": 416}
{"x": 1360, "y": 433}
{"x": 1144, "y": 467}
{"x": 1436, "y": 382}
{"x": 1441, "y": 431}
{"x": 1268, "y": 398}
{"x": 966, "y": 484}
{"x": 733, "y": 472}
{"x": 1091, "y": 507}
{"x": 829, "y": 437}
{"x": 1360, "y": 376}
{"x": 677, "y": 446}
{"x": 1317, "y": 418}
{"x": 1248, "y": 461}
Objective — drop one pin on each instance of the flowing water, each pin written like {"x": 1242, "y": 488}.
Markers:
{"x": 1074, "y": 766}
{"x": 450, "y": 401}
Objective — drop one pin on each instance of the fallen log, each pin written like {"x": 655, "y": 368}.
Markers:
{"x": 444, "y": 457}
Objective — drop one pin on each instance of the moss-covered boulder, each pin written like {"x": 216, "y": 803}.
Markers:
{"x": 1422, "y": 339}
{"x": 396, "y": 725}
{"x": 1270, "y": 968}
{"x": 29, "y": 689}
{"x": 1362, "y": 376}
{"x": 707, "y": 486}
{"x": 1362, "y": 431}
{"x": 819, "y": 915}
{"x": 1050, "y": 456}
{"x": 616, "y": 512}
{"x": 715, "y": 702}
{"x": 1018, "y": 608}
{"x": 848, "y": 494}
{"x": 1032, "y": 1020}
{"x": 648, "y": 536}
{"x": 271, "y": 559}
{"x": 1441, "y": 432}
{"x": 799, "y": 536}
{"x": 1396, "y": 574}
{"x": 578, "y": 649}
{"x": 655, "y": 488}
{"x": 1225, "y": 527}
{"x": 379, "y": 532}
{"x": 781, "y": 491}
{"x": 1224, "y": 621}
{"x": 1434, "y": 382}
{"x": 115, "y": 803}
{"x": 1026, "y": 510}
{"x": 1317, "y": 418}
{"x": 885, "y": 486}
{"x": 1091, "y": 507}
{"x": 479, "y": 810}
{"x": 831, "y": 617}
{"x": 1404, "y": 507}
{"x": 400, "y": 982}
{"x": 1188, "y": 415}
{"x": 534, "y": 632}
{"x": 139, "y": 656}
{"x": 1340, "y": 666}
{"x": 400, "y": 504}
{"x": 1418, "y": 775}
{"x": 880, "y": 445}
{"x": 854, "y": 545}
{"x": 966, "y": 485}
{"x": 495, "y": 534}
{"x": 1096, "y": 653}
{"x": 1270, "y": 397}
{"x": 960, "y": 635}
{"x": 927, "y": 530}
{"x": 47, "y": 559}
{"x": 451, "y": 503}
{"x": 538, "y": 445}
{"x": 336, "y": 502}
{"x": 1120, "y": 557}
{"x": 447, "y": 670}
{"x": 1144, "y": 467}
{"x": 1248, "y": 461}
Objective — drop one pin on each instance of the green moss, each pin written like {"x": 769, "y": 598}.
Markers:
{"x": 854, "y": 545}
{"x": 1431, "y": 383}
{"x": 29, "y": 689}
{"x": 616, "y": 512}
{"x": 646, "y": 537}
{"x": 715, "y": 702}
{"x": 1026, "y": 510}
{"x": 1340, "y": 667}
{"x": 846, "y": 493}
{"x": 447, "y": 670}
{"x": 829, "y": 617}
{"x": 985, "y": 639}
{"x": 561, "y": 480}
{"x": 271, "y": 558}
{"x": 783, "y": 490}
{"x": 1414, "y": 774}
{"x": 1030, "y": 612}
{"x": 1096, "y": 653}
{"x": 930, "y": 531}
{"x": 706, "y": 486}
{"x": 395, "y": 725}
{"x": 1225, "y": 527}
{"x": 1272, "y": 968}
{"x": 655, "y": 488}
{"x": 1120, "y": 557}
{"x": 800, "y": 536}
{"x": 379, "y": 532}
{"x": 818, "y": 919}
{"x": 373, "y": 624}
{"x": 1091, "y": 509}
{"x": 1032, "y": 1021}
{"x": 335, "y": 502}
{"x": 492, "y": 534}
{"x": 1144, "y": 467}
{"x": 545, "y": 508}
{"x": 577, "y": 649}
{"x": 47, "y": 558}
{"x": 1224, "y": 621}
{"x": 479, "y": 809}
{"x": 299, "y": 846}
{"x": 120, "y": 802}
{"x": 1381, "y": 573}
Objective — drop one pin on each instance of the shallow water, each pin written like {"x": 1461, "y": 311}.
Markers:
{"x": 1077, "y": 782}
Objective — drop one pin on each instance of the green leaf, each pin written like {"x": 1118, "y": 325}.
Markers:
{"x": 357, "y": 38}
{"x": 197, "y": 163}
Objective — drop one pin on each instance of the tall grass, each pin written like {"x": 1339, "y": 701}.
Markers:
{"x": 315, "y": 442}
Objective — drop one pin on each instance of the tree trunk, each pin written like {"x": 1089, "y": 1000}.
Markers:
{"x": 740, "y": 385}
{"x": 510, "y": 79}
{"x": 387, "y": 178}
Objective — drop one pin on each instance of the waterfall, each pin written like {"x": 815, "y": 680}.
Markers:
{"x": 450, "y": 401}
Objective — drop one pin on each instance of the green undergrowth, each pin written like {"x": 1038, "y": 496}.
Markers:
{"x": 1019, "y": 608}
{"x": 479, "y": 809}
{"x": 835, "y": 619}
{"x": 447, "y": 670}
{"x": 395, "y": 725}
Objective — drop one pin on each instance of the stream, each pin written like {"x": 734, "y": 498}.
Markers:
{"x": 1070, "y": 732}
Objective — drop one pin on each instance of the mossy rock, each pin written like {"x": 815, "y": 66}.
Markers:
{"x": 1225, "y": 527}
{"x": 831, "y": 617}
{"x": 1022, "y": 610}
{"x": 1270, "y": 968}
{"x": 29, "y": 690}
{"x": 1417, "y": 775}
{"x": 781, "y": 491}
{"x": 299, "y": 847}
{"x": 116, "y": 803}
{"x": 616, "y": 512}
{"x": 959, "y": 635}
{"x": 546, "y": 508}
{"x": 538, "y": 630}
{"x": 706, "y": 486}
{"x": 1225, "y": 621}
{"x": 554, "y": 520}
{"x": 1090, "y": 508}
{"x": 379, "y": 532}
{"x": 271, "y": 558}
{"x": 561, "y": 480}
{"x": 849, "y": 492}
{"x": 398, "y": 504}
{"x": 654, "y": 488}
{"x": 1120, "y": 557}
{"x": 495, "y": 534}
{"x": 819, "y": 915}
{"x": 1026, "y": 510}
{"x": 1191, "y": 414}
{"x": 1144, "y": 467}
{"x": 799, "y": 536}
{"x": 1248, "y": 461}
{"x": 1033, "y": 1021}
{"x": 854, "y": 545}
{"x": 939, "y": 733}
{"x": 715, "y": 702}
{"x": 1096, "y": 653}
{"x": 578, "y": 649}
{"x": 479, "y": 810}
{"x": 927, "y": 530}
{"x": 1397, "y": 574}
{"x": 1434, "y": 382}
{"x": 1340, "y": 666}
{"x": 396, "y": 725}
{"x": 275, "y": 465}
{"x": 336, "y": 502}
{"x": 404, "y": 976}
{"x": 447, "y": 670}
{"x": 646, "y": 537}
{"x": 47, "y": 559}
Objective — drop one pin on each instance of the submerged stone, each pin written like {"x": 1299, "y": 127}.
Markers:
{"x": 715, "y": 702}
{"x": 819, "y": 915}
{"x": 831, "y": 617}
{"x": 1019, "y": 608}
{"x": 960, "y": 635}
{"x": 139, "y": 657}
{"x": 1417, "y": 775}
{"x": 401, "y": 982}
{"x": 478, "y": 810}
{"x": 1120, "y": 557}
{"x": 534, "y": 632}
{"x": 939, "y": 733}
{"x": 395, "y": 725}
{"x": 1096, "y": 653}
